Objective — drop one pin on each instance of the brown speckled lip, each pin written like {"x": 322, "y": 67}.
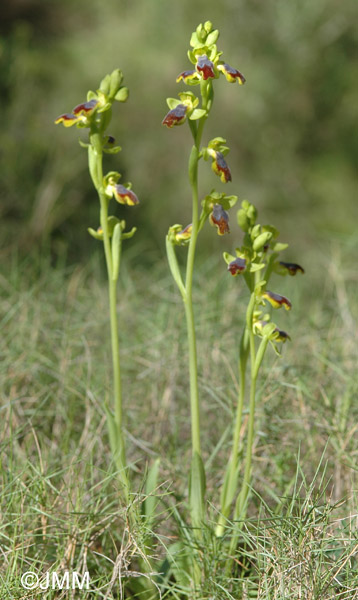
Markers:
{"x": 220, "y": 218}
{"x": 205, "y": 67}
{"x": 176, "y": 116}
{"x": 124, "y": 195}
{"x": 237, "y": 266}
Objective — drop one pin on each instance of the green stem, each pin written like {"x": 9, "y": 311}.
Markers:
{"x": 96, "y": 170}
{"x": 188, "y": 301}
{"x": 231, "y": 475}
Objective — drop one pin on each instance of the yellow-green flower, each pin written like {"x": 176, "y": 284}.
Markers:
{"x": 80, "y": 114}
{"x": 176, "y": 116}
{"x": 205, "y": 67}
{"x": 220, "y": 219}
{"x": 237, "y": 266}
{"x": 219, "y": 165}
{"x": 184, "y": 234}
{"x": 188, "y": 76}
{"x": 276, "y": 300}
{"x": 122, "y": 194}
{"x": 231, "y": 74}
{"x": 292, "y": 268}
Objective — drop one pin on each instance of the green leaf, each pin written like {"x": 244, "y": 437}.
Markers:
{"x": 173, "y": 102}
{"x": 116, "y": 251}
{"x": 113, "y": 432}
{"x": 178, "y": 557}
{"x": 150, "y": 503}
{"x": 197, "y": 113}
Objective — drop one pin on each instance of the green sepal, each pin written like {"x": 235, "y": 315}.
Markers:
{"x": 228, "y": 258}
{"x": 112, "y": 177}
{"x": 128, "y": 234}
{"x": 274, "y": 231}
{"x": 114, "y": 150}
{"x": 279, "y": 246}
{"x": 192, "y": 57}
{"x": 189, "y": 99}
{"x": 256, "y": 267}
{"x": 259, "y": 285}
{"x": 95, "y": 234}
{"x": 151, "y": 502}
{"x": 197, "y": 113}
{"x": 261, "y": 240}
{"x": 116, "y": 250}
{"x": 122, "y": 94}
{"x": 105, "y": 107}
{"x": 91, "y": 95}
{"x": 277, "y": 352}
{"x": 194, "y": 40}
{"x": 173, "y": 102}
{"x": 174, "y": 267}
{"x": 216, "y": 142}
{"x": 197, "y": 487}
{"x": 214, "y": 197}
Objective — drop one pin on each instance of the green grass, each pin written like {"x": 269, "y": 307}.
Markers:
{"x": 60, "y": 503}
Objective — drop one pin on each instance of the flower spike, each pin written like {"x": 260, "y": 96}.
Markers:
{"x": 176, "y": 116}
{"x": 276, "y": 300}
{"x": 219, "y": 165}
{"x": 237, "y": 266}
{"x": 205, "y": 67}
{"x": 220, "y": 218}
{"x": 231, "y": 74}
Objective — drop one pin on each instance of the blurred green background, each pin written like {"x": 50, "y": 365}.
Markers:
{"x": 291, "y": 128}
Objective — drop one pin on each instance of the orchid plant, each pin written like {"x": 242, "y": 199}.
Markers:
{"x": 95, "y": 116}
{"x": 207, "y": 68}
{"x": 255, "y": 261}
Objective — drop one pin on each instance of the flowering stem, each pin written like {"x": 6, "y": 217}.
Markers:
{"x": 96, "y": 170}
{"x": 231, "y": 475}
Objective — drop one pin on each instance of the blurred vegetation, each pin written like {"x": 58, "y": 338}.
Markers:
{"x": 290, "y": 128}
